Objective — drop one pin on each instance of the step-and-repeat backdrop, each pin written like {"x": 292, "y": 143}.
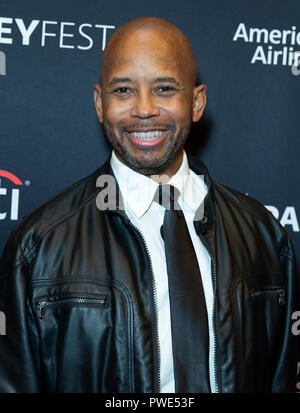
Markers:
{"x": 247, "y": 53}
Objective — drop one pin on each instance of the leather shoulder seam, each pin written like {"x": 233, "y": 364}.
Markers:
{"x": 241, "y": 206}
{"x": 53, "y": 225}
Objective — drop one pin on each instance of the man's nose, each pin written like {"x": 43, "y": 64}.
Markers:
{"x": 144, "y": 106}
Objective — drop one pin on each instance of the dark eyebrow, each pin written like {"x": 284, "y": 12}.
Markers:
{"x": 160, "y": 79}
{"x": 167, "y": 80}
{"x": 119, "y": 80}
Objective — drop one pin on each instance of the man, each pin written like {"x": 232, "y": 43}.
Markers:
{"x": 127, "y": 293}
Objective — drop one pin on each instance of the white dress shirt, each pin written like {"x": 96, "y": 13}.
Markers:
{"x": 138, "y": 191}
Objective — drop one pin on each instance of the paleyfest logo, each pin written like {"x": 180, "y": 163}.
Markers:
{"x": 273, "y": 47}
{"x": 65, "y": 35}
{"x": 12, "y": 195}
{"x": 288, "y": 217}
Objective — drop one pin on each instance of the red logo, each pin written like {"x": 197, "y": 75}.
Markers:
{"x": 11, "y": 177}
{"x": 12, "y": 196}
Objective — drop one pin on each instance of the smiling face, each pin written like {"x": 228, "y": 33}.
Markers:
{"x": 147, "y": 100}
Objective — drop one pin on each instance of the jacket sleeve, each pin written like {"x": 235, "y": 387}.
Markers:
{"x": 19, "y": 343}
{"x": 285, "y": 373}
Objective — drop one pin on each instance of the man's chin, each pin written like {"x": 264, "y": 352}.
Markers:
{"x": 151, "y": 169}
{"x": 146, "y": 166}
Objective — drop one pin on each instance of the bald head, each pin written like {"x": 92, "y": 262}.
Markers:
{"x": 163, "y": 34}
{"x": 148, "y": 97}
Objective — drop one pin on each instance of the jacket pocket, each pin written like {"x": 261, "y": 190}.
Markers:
{"x": 272, "y": 291}
{"x": 259, "y": 315}
{"x": 47, "y": 303}
{"x": 83, "y": 337}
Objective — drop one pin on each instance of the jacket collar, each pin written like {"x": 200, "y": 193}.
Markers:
{"x": 104, "y": 177}
{"x": 132, "y": 184}
{"x": 203, "y": 225}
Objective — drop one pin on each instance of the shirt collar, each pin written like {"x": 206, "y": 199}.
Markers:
{"x": 138, "y": 190}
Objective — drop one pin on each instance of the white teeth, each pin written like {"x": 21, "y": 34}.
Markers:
{"x": 147, "y": 136}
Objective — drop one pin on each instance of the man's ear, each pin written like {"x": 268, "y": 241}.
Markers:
{"x": 199, "y": 102}
{"x": 98, "y": 102}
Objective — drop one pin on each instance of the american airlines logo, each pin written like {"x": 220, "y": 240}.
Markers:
{"x": 10, "y": 195}
{"x": 273, "y": 46}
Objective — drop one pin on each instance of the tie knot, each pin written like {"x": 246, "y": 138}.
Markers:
{"x": 167, "y": 196}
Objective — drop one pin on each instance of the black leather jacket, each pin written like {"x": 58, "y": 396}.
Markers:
{"x": 76, "y": 287}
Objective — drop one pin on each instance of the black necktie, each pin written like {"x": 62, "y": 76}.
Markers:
{"x": 187, "y": 302}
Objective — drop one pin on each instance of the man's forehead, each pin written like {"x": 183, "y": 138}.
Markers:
{"x": 133, "y": 44}
{"x": 142, "y": 49}
{"x": 144, "y": 70}
{"x": 148, "y": 42}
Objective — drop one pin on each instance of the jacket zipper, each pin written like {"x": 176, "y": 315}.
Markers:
{"x": 154, "y": 312}
{"x": 157, "y": 384}
{"x": 280, "y": 292}
{"x": 214, "y": 280}
{"x": 44, "y": 304}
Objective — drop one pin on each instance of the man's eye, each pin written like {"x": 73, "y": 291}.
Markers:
{"x": 121, "y": 90}
{"x": 166, "y": 90}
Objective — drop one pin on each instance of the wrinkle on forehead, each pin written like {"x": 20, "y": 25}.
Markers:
{"x": 152, "y": 33}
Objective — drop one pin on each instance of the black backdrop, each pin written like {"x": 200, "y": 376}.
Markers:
{"x": 248, "y": 137}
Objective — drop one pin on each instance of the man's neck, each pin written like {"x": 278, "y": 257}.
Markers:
{"x": 167, "y": 174}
